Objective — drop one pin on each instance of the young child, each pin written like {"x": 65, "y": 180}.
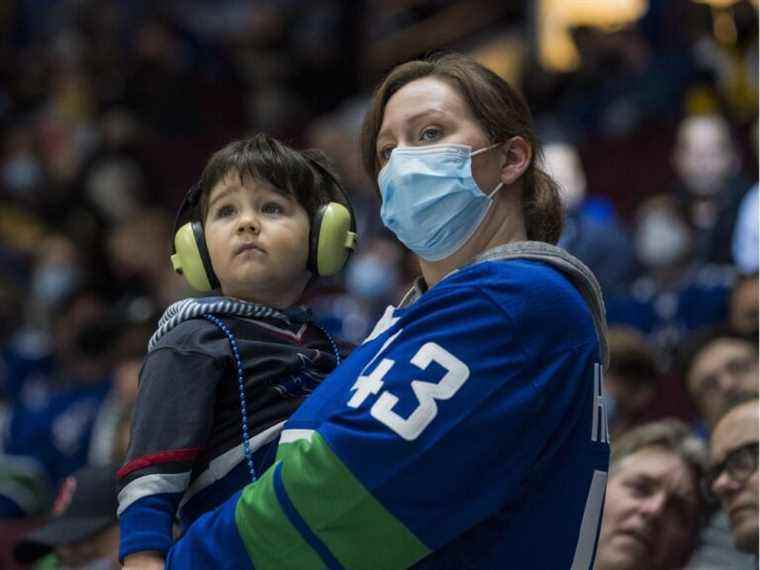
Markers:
{"x": 222, "y": 374}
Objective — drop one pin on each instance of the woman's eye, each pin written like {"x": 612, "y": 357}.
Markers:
{"x": 430, "y": 134}
{"x": 385, "y": 154}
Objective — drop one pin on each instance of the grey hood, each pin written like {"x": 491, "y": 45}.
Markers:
{"x": 578, "y": 274}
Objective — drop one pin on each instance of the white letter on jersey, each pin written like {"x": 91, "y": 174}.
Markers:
{"x": 599, "y": 419}
{"x": 426, "y": 392}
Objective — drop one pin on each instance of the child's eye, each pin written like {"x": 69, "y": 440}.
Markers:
{"x": 430, "y": 134}
{"x": 225, "y": 211}
{"x": 272, "y": 208}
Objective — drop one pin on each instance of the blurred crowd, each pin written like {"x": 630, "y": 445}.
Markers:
{"x": 110, "y": 108}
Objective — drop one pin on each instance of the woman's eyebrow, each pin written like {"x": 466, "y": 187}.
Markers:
{"x": 411, "y": 119}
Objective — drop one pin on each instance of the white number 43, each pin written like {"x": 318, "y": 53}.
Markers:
{"x": 426, "y": 393}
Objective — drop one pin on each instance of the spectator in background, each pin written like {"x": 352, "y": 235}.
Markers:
{"x": 83, "y": 531}
{"x": 22, "y": 175}
{"x": 631, "y": 380}
{"x": 733, "y": 474}
{"x": 726, "y": 50}
{"x": 719, "y": 367}
{"x": 110, "y": 432}
{"x": 119, "y": 403}
{"x": 744, "y": 245}
{"x": 653, "y": 506}
{"x": 159, "y": 85}
{"x": 54, "y": 398}
{"x": 603, "y": 246}
{"x": 621, "y": 84}
{"x": 675, "y": 294}
{"x": 730, "y": 541}
{"x": 138, "y": 266}
{"x": 743, "y": 308}
{"x": 745, "y": 241}
{"x": 710, "y": 186}
{"x": 58, "y": 271}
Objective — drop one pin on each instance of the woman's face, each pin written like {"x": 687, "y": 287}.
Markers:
{"x": 429, "y": 111}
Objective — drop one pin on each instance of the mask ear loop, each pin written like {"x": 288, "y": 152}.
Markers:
{"x": 495, "y": 190}
{"x": 481, "y": 151}
{"x": 484, "y": 149}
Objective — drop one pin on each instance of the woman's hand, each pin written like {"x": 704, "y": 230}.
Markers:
{"x": 148, "y": 560}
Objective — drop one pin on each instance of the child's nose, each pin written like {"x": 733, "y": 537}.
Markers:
{"x": 248, "y": 221}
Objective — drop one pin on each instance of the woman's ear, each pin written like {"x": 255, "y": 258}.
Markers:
{"x": 518, "y": 155}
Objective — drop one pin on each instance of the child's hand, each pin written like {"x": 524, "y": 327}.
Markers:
{"x": 149, "y": 560}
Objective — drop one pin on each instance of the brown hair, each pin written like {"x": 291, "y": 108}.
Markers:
{"x": 669, "y": 434}
{"x": 289, "y": 171}
{"x": 499, "y": 109}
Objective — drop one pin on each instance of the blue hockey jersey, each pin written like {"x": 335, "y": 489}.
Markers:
{"x": 467, "y": 431}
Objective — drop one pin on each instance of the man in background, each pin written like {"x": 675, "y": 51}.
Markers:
{"x": 653, "y": 507}
{"x": 720, "y": 367}
{"x": 733, "y": 473}
{"x": 83, "y": 532}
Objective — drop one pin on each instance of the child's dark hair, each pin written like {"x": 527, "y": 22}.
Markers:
{"x": 261, "y": 157}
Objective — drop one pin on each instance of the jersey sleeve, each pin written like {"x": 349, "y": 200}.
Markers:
{"x": 171, "y": 425}
{"x": 420, "y": 435}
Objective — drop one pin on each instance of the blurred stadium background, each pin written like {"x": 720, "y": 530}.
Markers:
{"x": 109, "y": 109}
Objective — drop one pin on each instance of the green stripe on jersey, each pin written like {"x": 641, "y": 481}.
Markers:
{"x": 270, "y": 539}
{"x": 356, "y": 528}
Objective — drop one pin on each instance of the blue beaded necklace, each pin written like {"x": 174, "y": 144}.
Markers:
{"x": 241, "y": 382}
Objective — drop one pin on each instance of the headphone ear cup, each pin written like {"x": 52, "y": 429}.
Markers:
{"x": 191, "y": 258}
{"x": 332, "y": 240}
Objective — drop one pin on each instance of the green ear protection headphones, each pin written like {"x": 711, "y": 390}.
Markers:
{"x": 332, "y": 238}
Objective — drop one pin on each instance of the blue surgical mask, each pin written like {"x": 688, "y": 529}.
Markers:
{"x": 430, "y": 199}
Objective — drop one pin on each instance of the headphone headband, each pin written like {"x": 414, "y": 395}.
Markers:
{"x": 188, "y": 202}
{"x": 331, "y": 177}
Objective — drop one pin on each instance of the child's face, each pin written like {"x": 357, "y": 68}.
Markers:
{"x": 258, "y": 241}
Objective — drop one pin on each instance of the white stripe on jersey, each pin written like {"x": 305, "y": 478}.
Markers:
{"x": 148, "y": 485}
{"x": 220, "y": 466}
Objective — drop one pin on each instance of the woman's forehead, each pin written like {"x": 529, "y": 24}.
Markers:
{"x": 422, "y": 96}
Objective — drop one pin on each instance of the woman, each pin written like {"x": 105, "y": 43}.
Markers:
{"x": 468, "y": 430}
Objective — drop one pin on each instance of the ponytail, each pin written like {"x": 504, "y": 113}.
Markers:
{"x": 542, "y": 209}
